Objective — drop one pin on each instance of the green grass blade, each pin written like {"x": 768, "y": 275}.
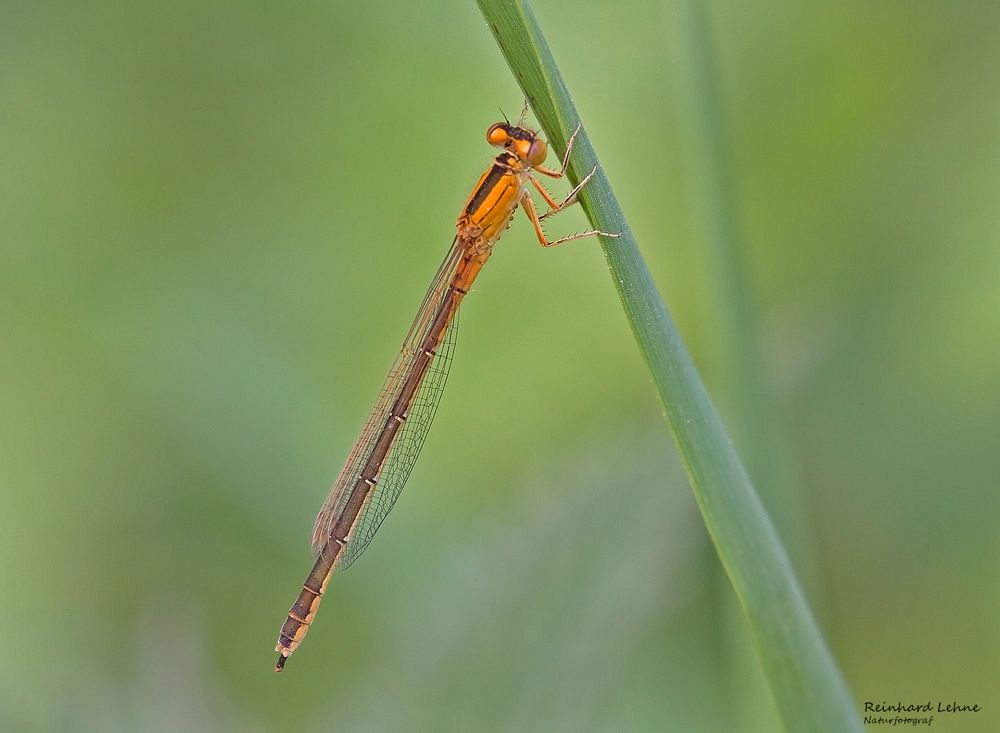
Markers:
{"x": 807, "y": 687}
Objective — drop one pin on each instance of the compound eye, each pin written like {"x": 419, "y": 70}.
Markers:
{"x": 497, "y": 134}
{"x": 537, "y": 152}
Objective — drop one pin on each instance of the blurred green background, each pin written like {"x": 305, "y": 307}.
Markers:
{"x": 216, "y": 220}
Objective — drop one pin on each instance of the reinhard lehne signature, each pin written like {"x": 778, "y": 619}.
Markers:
{"x": 919, "y": 707}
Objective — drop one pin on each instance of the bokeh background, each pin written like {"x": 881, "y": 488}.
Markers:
{"x": 216, "y": 220}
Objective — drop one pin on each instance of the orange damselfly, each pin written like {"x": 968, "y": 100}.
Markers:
{"x": 385, "y": 451}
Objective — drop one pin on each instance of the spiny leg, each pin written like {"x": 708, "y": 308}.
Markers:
{"x": 555, "y": 208}
{"x": 553, "y": 204}
{"x": 551, "y": 173}
{"x": 524, "y": 114}
{"x": 532, "y": 214}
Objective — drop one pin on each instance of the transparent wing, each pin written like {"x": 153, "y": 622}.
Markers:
{"x": 410, "y": 438}
{"x": 405, "y": 449}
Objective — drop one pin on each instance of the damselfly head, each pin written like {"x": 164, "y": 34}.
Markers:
{"x": 520, "y": 141}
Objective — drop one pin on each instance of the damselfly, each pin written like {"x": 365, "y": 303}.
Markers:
{"x": 383, "y": 455}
